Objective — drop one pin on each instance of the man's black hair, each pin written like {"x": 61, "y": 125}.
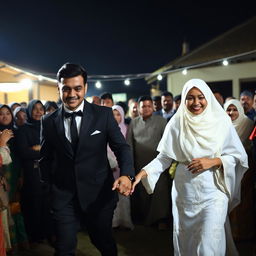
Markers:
{"x": 156, "y": 98}
{"x": 106, "y": 95}
{"x": 69, "y": 70}
{"x": 177, "y": 97}
{"x": 144, "y": 97}
{"x": 166, "y": 93}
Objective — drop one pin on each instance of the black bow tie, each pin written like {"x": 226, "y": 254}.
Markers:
{"x": 71, "y": 114}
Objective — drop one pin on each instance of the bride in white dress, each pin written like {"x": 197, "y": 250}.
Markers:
{"x": 211, "y": 163}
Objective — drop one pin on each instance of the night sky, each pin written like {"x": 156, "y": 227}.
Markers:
{"x": 108, "y": 37}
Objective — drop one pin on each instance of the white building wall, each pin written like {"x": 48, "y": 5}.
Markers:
{"x": 234, "y": 72}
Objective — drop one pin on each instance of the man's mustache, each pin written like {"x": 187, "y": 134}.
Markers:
{"x": 72, "y": 98}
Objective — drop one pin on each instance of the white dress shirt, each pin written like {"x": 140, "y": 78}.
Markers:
{"x": 67, "y": 121}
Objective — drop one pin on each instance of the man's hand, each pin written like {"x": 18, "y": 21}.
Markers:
{"x": 36, "y": 147}
{"x": 201, "y": 164}
{"x": 123, "y": 185}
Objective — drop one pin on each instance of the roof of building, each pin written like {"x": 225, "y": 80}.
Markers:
{"x": 12, "y": 73}
{"x": 237, "y": 44}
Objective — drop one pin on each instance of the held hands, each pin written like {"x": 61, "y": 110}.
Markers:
{"x": 142, "y": 174}
{"x": 123, "y": 185}
{"x": 201, "y": 164}
{"x": 5, "y": 136}
{"x": 36, "y": 147}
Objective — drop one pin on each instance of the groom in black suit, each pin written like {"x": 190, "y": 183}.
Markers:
{"x": 74, "y": 163}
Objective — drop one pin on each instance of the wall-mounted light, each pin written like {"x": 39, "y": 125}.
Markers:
{"x": 159, "y": 77}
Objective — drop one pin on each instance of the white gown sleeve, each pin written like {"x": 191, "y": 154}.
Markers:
{"x": 235, "y": 163}
{"x": 154, "y": 170}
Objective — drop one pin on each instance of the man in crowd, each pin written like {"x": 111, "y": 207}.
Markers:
{"x": 246, "y": 99}
{"x": 157, "y": 103}
{"x": 176, "y": 102}
{"x": 144, "y": 134}
{"x": 106, "y": 100}
{"x": 167, "y": 106}
{"x": 74, "y": 164}
{"x": 96, "y": 100}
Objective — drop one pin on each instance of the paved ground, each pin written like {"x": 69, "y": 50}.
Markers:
{"x": 142, "y": 241}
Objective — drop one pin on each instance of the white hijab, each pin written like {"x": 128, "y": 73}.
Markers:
{"x": 242, "y": 124}
{"x": 122, "y": 124}
{"x": 209, "y": 134}
{"x": 189, "y": 136}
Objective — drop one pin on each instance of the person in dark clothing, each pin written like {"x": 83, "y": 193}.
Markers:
{"x": 50, "y": 106}
{"x": 12, "y": 172}
{"x": 28, "y": 148}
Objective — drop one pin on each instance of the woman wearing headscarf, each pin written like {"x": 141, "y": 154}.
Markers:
{"x": 6, "y": 221}
{"x": 122, "y": 213}
{"x": 28, "y": 146}
{"x": 12, "y": 172}
{"x": 241, "y": 122}
{"x": 242, "y": 217}
{"x": 211, "y": 163}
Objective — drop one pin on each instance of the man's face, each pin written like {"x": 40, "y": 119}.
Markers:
{"x": 157, "y": 105}
{"x": 246, "y": 102}
{"x": 72, "y": 91}
{"x": 167, "y": 102}
{"x": 107, "y": 103}
{"x": 146, "y": 109}
{"x": 176, "y": 104}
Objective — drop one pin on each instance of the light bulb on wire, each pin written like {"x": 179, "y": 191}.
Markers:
{"x": 159, "y": 77}
{"x": 127, "y": 82}
{"x": 184, "y": 71}
{"x": 98, "y": 85}
{"x": 225, "y": 62}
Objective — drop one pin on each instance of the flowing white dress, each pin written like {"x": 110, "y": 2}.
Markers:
{"x": 201, "y": 201}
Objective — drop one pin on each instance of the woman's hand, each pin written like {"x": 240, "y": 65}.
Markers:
{"x": 201, "y": 164}
{"x": 5, "y": 136}
{"x": 142, "y": 174}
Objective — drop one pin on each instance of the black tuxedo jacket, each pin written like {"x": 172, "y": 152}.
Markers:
{"x": 85, "y": 175}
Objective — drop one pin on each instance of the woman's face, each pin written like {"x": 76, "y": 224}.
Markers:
{"x": 38, "y": 111}
{"x": 117, "y": 116}
{"x": 232, "y": 112}
{"x": 5, "y": 116}
{"x": 195, "y": 101}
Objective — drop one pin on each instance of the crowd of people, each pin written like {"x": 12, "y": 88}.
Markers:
{"x": 185, "y": 150}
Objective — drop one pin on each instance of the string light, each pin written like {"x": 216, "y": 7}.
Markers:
{"x": 40, "y": 78}
{"x": 159, "y": 77}
{"x": 98, "y": 85}
{"x": 184, "y": 71}
{"x": 225, "y": 63}
{"x": 167, "y": 70}
{"x": 127, "y": 82}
